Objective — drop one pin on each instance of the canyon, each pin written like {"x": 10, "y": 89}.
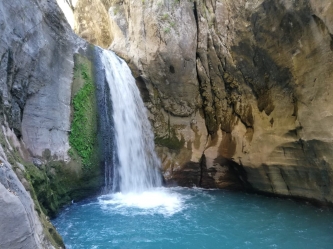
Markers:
{"x": 237, "y": 92}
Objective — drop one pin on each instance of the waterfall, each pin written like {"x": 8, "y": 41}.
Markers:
{"x": 136, "y": 167}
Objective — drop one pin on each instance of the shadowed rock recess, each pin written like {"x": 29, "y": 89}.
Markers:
{"x": 238, "y": 92}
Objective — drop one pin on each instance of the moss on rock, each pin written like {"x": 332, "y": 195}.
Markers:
{"x": 49, "y": 230}
{"x": 57, "y": 183}
{"x": 30, "y": 179}
{"x": 171, "y": 141}
{"x": 83, "y": 136}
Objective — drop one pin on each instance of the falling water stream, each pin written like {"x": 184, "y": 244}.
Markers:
{"x": 138, "y": 167}
{"x": 135, "y": 211}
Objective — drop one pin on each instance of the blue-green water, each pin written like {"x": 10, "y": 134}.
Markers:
{"x": 194, "y": 218}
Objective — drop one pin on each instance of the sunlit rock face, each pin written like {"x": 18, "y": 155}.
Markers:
{"x": 159, "y": 40}
{"x": 92, "y": 23}
{"x": 271, "y": 61}
{"x": 238, "y": 91}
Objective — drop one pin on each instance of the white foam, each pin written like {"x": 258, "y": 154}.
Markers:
{"x": 157, "y": 201}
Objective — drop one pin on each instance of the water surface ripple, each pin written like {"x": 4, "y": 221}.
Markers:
{"x": 194, "y": 218}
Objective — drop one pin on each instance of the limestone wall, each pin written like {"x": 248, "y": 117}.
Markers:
{"x": 238, "y": 91}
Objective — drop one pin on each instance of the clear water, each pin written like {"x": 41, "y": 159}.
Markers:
{"x": 143, "y": 216}
{"x": 194, "y": 218}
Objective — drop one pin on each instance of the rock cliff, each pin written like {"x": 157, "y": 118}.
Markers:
{"x": 37, "y": 174}
{"x": 237, "y": 91}
{"x": 22, "y": 221}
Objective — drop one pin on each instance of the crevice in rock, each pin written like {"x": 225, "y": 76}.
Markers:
{"x": 195, "y": 12}
{"x": 242, "y": 121}
{"x": 172, "y": 69}
{"x": 319, "y": 22}
{"x": 70, "y": 4}
{"x": 210, "y": 119}
{"x": 283, "y": 177}
{"x": 206, "y": 84}
{"x": 240, "y": 172}
{"x": 202, "y": 164}
{"x": 295, "y": 102}
{"x": 270, "y": 182}
{"x": 323, "y": 28}
{"x": 144, "y": 92}
{"x": 268, "y": 177}
{"x": 301, "y": 142}
{"x": 10, "y": 68}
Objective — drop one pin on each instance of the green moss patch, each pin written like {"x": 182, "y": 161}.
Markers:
{"x": 83, "y": 136}
{"x": 171, "y": 141}
{"x": 13, "y": 157}
{"x": 56, "y": 184}
{"x": 49, "y": 230}
{"x": 49, "y": 186}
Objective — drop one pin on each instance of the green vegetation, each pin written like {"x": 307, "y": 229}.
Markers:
{"x": 83, "y": 136}
{"x": 56, "y": 184}
{"x": 53, "y": 186}
{"x": 116, "y": 10}
{"x": 49, "y": 230}
{"x": 167, "y": 29}
{"x": 165, "y": 16}
{"x": 168, "y": 23}
{"x": 14, "y": 157}
{"x": 50, "y": 195}
{"x": 170, "y": 141}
